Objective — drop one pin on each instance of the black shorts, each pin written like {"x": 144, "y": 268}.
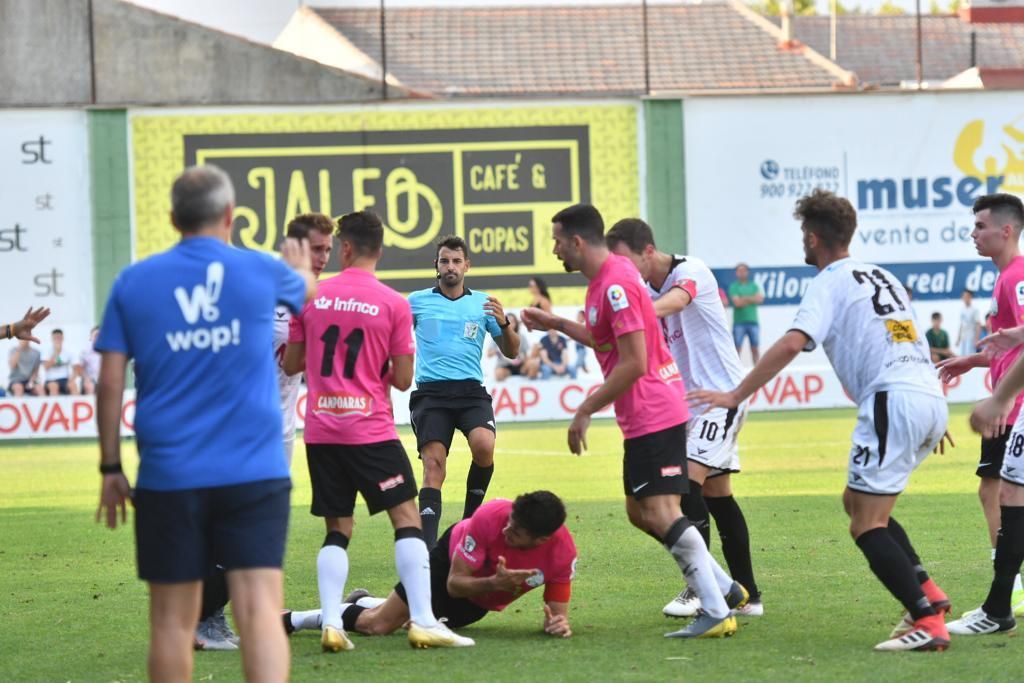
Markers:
{"x": 992, "y": 451}
{"x": 180, "y": 534}
{"x": 458, "y": 612}
{"x": 380, "y": 471}
{"x": 62, "y": 385}
{"x": 655, "y": 464}
{"x": 439, "y": 408}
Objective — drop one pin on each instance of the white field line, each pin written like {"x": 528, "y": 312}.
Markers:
{"x": 744, "y": 447}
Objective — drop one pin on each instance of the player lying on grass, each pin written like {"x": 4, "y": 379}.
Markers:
{"x": 480, "y": 565}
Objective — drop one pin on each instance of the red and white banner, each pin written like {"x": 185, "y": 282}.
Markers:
{"x": 514, "y": 401}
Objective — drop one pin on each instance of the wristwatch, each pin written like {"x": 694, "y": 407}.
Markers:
{"x": 507, "y": 323}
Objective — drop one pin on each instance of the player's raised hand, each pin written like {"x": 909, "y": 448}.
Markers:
{"x": 578, "y": 433}
{"x": 23, "y": 328}
{"x": 718, "y": 399}
{"x": 536, "y": 319}
{"x": 509, "y": 580}
{"x": 114, "y": 492}
{"x": 295, "y": 253}
{"x": 989, "y": 417}
{"x": 951, "y": 368}
{"x": 556, "y": 624}
{"x": 1002, "y": 340}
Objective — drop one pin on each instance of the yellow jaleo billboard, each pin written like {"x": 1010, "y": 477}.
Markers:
{"x": 492, "y": 176}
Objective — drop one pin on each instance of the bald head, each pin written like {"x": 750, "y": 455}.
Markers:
{"x": 200, "y": 197}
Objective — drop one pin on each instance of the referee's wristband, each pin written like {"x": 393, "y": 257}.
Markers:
{"x": 113, "y": 468}
{"x": 10, "y": 332}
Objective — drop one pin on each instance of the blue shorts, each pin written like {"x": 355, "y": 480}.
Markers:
{"x": 180, "y": 534}
{"x": 751, "y": 331}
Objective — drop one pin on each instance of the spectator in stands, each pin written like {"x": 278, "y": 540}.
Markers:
{"x": 520, "y": 366}
{"x": 87, "y": 369}
{"x": 57, "y": 368}
{"x": 24, "y": 364}
{"x": 938, "y": 339}
{"x": 580, "y": 362}
{"x": 539, "y": 296}
{"x": 554, "y": 360}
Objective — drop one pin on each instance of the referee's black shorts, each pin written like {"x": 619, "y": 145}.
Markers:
{"x": 439, "y": 408}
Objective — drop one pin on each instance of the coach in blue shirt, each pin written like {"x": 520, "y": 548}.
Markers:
{"x": 213, "y": 485}
{"x": 451, "y": 323}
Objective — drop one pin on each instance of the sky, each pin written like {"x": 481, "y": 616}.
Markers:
{"x": 263, "y": 20}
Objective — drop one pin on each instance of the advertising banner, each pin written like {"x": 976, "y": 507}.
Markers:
{"x": 45, "y": 237}
{"x": 493, "y": 176}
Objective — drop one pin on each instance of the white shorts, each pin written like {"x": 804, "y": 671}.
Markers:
{"x": 1013, "y": 457}
{"x": 711, "y": 439}
{"x": 895, "y": 432}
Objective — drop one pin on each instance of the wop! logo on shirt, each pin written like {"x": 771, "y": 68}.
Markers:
{"x": 201, "y": 302}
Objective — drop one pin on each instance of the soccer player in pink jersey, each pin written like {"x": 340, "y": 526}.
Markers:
{"x": 993, "y": 237}
{"x": 998, "y": 221}
{"x": 355, "y": 337}
{"x": 640, "y": 374}
{"x": 479, "y": 565}
{"x": 685, "y": 294}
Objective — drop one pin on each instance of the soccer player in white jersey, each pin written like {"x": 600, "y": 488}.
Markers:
{"x": 317, "y": 228}
{"x": 861, "y": 316}
{"x": 686, "y": 300}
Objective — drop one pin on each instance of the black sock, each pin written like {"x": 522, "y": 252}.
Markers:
{"x": 349, "y": 616}
{"x": 215, "y": 593}
{"x": 1009, "y": 555}
{"x": 696, "y": 510}
{"x": 903, "y": 541}
{"x": 893, "y": 568}
{"x": 477, "y": 481}
{"x": 430, "y": 515}
{"x": 732, "y": 530}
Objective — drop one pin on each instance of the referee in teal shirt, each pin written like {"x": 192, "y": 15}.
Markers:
{"x": 451, "y": 323}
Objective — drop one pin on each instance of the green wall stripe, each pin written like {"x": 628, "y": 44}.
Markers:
{"x": 666, "y": 193}
{"x": 111, "y": 213}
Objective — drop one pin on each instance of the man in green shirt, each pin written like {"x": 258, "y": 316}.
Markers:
{"x": 745, "y": 297}
{"x": 938, "y": 339}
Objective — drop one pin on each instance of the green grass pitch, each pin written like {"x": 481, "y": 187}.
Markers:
{"x": 73, "y": 610}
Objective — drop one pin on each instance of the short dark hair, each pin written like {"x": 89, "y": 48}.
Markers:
{"x": 967, "y": 291}
{"x": 633, "y": 232}
{"x": 1006, "y": 205}
{"x": 57, "y": 331}
{"x": 452, "y": 242}
{"x": 936, "y": 315}
{"x": 830, "y": 217}
{"x": 305, "y": 223}
{"x": 539, "y": 514}
{"x": 199, "y": 196}
{"x": 583, "y": 220}
{"x": 363, "y": 230}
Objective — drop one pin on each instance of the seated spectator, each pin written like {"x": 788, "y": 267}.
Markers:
{"x": 938, "y": 339}
{"x": 57, "y": 368}
{"x": 87, "y": 369}
{"x": 553, "y": 356}
{"x": 539, "y": 296}
{"x": 24, "y": 364}
{"x": 580, "y": 362}
{"x": 520, "y": 366}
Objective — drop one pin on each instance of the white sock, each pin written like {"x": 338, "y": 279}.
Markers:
{"x": 722, "y": 577}
{"x": 331, "y": 574}
{"x": 413, "y": 563}
{"x": 993, "y": 554}
{"x": 369, "y": 602}
{"x": 306, "y": 621}
{"x": 1016, "y": 583}
{"x": 289, "y": 447}
{"x": 693, "y": 558}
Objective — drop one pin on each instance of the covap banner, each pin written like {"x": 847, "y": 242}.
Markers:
{"x": 492, "y": 176}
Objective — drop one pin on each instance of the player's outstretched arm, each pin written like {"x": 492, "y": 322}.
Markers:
{"x": 989, "y": 417}
{"x": 22, "y": 329}
{"x": 296, "y": 254}
{"x": 676, "y": 300}
{"x": 536, "y": 319}
{"x": 1002, "y": 340}
{"x": 114, "y": 490}
{"x": 772, "y": 362}
{"x": 951, "y": 368}
{"x": 556, "y": 619}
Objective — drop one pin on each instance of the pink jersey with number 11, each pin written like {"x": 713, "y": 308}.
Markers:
{"x": 352, "y": 328}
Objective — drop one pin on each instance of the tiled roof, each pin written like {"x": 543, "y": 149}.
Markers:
{"x": 579, "y": 49}
{"x": 882, "y": 50}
